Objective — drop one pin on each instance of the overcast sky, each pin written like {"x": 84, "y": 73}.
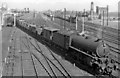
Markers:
{"x": 60, "y": 4}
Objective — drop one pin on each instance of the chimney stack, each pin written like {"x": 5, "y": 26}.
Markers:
{"x": 92, "y": 10}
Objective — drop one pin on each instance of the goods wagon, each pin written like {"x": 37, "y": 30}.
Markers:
{"x": 47, "y": 32}
{"x": 63, "y": 38}
{"x": 32, "y": 28}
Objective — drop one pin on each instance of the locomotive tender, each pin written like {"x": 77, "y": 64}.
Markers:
{"x": 91, "y": 51}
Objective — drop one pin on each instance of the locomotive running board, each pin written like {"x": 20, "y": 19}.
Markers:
{"x": 82, "y": 52}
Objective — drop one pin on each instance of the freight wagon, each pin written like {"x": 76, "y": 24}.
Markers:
{"x": 63, "y": 38}
{"x": 47, "y": 33}
{"x": 32, "y": 28}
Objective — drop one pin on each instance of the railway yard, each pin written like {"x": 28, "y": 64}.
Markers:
{"x": 24, "y": 59}
{"x": 25, "y": 53}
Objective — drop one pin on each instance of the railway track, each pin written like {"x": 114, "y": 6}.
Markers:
{"x": 117, "y": 53}
{"x": 10, "y": 59}
{"x": 107, "y": 36}
{"x": 21, "y": 57}
{"x": 110, "y": 32}
{"x": 55, "y": 59}
{"x": 38, "y": 49}
{"x": 111, "y": 35}
{"x": 28, "y": 47}
{"x": 33, "y": 55}
{"x": 110, "y": 38}
{"x": 63, "y": 68}
{"x": 36, "y": 46}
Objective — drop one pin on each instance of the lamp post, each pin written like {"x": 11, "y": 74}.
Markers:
{"x": 83, "y": 18}
{"x": 76, "y": 22}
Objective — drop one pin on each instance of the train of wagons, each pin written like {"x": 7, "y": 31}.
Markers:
{"x": 90, "y": 51}
{"x": 71, "y": 19}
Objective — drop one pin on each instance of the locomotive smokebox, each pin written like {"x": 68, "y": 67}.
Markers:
{"x": 90, "y": 46}
{"x": 102, "y": 49}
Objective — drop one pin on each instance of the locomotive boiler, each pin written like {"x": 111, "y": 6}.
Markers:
{"x": 90, "y": 46}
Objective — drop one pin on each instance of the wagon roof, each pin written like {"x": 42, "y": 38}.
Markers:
{"x": 66, "y": 32}
{"x": 32, "y": 25}
{"x": 21, "y": 20}
{"x": 51, "y": 29}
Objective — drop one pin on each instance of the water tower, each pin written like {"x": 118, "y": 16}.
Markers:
{"x": 4, "y": 7}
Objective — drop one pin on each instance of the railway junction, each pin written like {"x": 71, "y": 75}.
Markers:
{"x": 28, "y": 50}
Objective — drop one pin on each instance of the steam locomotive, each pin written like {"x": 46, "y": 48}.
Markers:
{"x": 90, "y": 51}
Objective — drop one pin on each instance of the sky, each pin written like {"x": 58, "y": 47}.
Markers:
{"x": 78, "y": 5}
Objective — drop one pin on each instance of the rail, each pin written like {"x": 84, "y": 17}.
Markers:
{"x": 54, "y": 58}
{"x": 40, "y": 51}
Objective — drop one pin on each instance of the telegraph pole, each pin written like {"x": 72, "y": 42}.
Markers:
{"x": 103, "y": 18}
{"x": 92, "y": 11}
{"x": 83, "y": 25}
{"x": 107, "y": 15}
{"x": 103, "y": 29}
{"x": 76, "y": 20}
{"x": 34, "y": 14}
{"x": 64, "y": 17}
